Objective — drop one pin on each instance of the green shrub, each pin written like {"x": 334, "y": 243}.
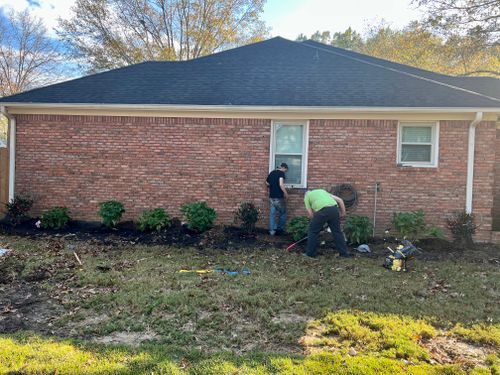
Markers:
{"x": 358, "y": 229}
{"x": 18, "y": 208}
{"x": 199, "y": 216}
{"x": 410, "y": 225}
{"x": 298, "y": 227}
{"x": 248, "y": 215}
{"x": 462, "y": 226}
{"x": 111, "y": 212}
{"x": 56, "y": 218}
{"x": 155, "y": 219}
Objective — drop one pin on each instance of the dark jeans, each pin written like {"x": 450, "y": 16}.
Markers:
{"x": 331, "y": 216}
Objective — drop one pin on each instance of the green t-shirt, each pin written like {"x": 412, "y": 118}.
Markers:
{"x": 318, "y": 199}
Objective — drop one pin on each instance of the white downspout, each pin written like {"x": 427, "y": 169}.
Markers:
{"x": 470, "y": 162}
{"x": 12, "y": 150}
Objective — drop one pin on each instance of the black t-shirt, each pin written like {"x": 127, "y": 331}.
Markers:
{"x": 274, "y": 183}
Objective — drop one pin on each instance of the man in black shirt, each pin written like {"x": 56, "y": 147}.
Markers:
{"x": 277, "y": 199}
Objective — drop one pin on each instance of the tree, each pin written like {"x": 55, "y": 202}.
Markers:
{"x": 107, "y": 34}
{"x": 421, "y": 46}
{"x": 349, "y": 39}
{"x": 467, "y": 17}
{"x": 27, "y": 56}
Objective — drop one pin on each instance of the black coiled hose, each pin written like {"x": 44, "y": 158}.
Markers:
{"x": 348, "y": 194}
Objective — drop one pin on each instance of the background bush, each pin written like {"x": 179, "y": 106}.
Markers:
{"x": 412, "y": 226}
{"x": 18, "y": 208}
{"x": 462, "y": 226}
{"x": 199, "y": 216}
{"x": 111, "y": 212}
{"x": 155, "y": 219}
{"x": 248, "y": 215}
{"x": 55, "y": 218}
{"x": 358, "y": 229}
{"x": 298, "y": 227}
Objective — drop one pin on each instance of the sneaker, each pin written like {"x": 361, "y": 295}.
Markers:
{"x": 272, "y": 232}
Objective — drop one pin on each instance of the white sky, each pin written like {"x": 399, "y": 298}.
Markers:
{"x": 287, "y": 18}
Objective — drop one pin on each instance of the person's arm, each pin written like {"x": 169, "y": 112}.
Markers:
{"x": 309, "y": 210}
{"x": 340, "y": 202}
{"x": 282, "y": 186}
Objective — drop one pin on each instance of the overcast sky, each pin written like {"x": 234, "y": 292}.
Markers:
{"x": 287, "y": 18}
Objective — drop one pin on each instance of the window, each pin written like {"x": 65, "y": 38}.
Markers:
{"x": 289, "y": 145}
{"x": 418, "y": 144}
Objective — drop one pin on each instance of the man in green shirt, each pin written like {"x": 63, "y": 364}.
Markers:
{"x": 323, "y": 207}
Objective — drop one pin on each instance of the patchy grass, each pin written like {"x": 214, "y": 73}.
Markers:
{"x": 170, "y": 322}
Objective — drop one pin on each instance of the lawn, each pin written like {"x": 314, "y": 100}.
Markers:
{"x": 128, "y": 310}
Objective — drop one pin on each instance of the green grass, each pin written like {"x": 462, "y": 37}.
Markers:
{"x": 253, "y": 324}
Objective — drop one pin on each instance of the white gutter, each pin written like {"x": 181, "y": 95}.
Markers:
{"x": 247, "y": 108}
{"x": 12, "y": 150}
{"x": 470, "y": 162}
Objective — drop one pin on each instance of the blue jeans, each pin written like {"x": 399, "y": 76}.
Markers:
{"x": 277, "y": 206}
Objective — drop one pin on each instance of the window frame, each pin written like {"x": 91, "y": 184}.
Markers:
{"x": 305, "y": 148}
{"x": 434, "y": 143}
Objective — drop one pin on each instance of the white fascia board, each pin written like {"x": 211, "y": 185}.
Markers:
{"x": 237, "y": 108}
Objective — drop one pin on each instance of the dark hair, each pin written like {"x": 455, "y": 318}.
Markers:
{"x": 284, "y": 165}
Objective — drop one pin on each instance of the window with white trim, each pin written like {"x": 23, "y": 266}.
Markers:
{"x": 289, "y": 145}
{"x": 418, "y": 144}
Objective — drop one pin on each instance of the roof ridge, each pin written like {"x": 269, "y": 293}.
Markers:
{"x": 398, "y": 71}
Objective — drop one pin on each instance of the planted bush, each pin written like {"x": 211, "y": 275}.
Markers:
{"x": 248, "y": 215}
{"x": 412, "y": 226}
{"x": 358, "y": 229}
{"x": 462, "y": 226}
{"x": 56, "y": 218}
{"x": 18, "y": 208}
{"x": 298, "y": 227}
{"x": 199, "y": 216}
{"x": 155, "y": 219}
{"x": 111, "y": 212}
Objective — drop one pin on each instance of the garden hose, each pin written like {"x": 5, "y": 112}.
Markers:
{"x": 348, "y": 194}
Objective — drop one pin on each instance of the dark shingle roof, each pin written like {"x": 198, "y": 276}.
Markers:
{"x": 276, "y": 72}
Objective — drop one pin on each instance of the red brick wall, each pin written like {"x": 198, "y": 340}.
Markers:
{"x": 496, "y": 199}
{"x": 78, "y": 161}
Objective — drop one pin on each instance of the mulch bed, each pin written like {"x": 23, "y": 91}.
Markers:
{"x": 232, "y": 238}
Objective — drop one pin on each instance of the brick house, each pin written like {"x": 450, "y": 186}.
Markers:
{"x": 160, "y": 134}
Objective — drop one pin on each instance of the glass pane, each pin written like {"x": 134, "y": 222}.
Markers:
{"x": 417, "y": 134}
{"x": 415, "y": 153}
{"x": 294, "y": 174}
{"x": 289, "y": 139}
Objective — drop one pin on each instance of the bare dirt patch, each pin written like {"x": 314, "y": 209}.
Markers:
{"x": 126, "y": 338}
{"x": 449, "y": 349}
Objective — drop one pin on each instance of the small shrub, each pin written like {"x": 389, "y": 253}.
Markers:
{"x": 298, "y": 227}
{"x": 56, "y": 218}
{"x": 199, "y": 216}
{"x": 155, "y": 219}
{"x": 18, "y": 208}
{"x": 248, "y": 215}
{"x": 462, "y": 226}
{"x": 436, "y": 232}
{"x": 410, "y": 225}
{"x": 358, "y": 229}
{"x": 111, "y": 212}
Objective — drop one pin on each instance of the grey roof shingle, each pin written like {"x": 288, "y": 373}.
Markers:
{"x": 275, "y": 72}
